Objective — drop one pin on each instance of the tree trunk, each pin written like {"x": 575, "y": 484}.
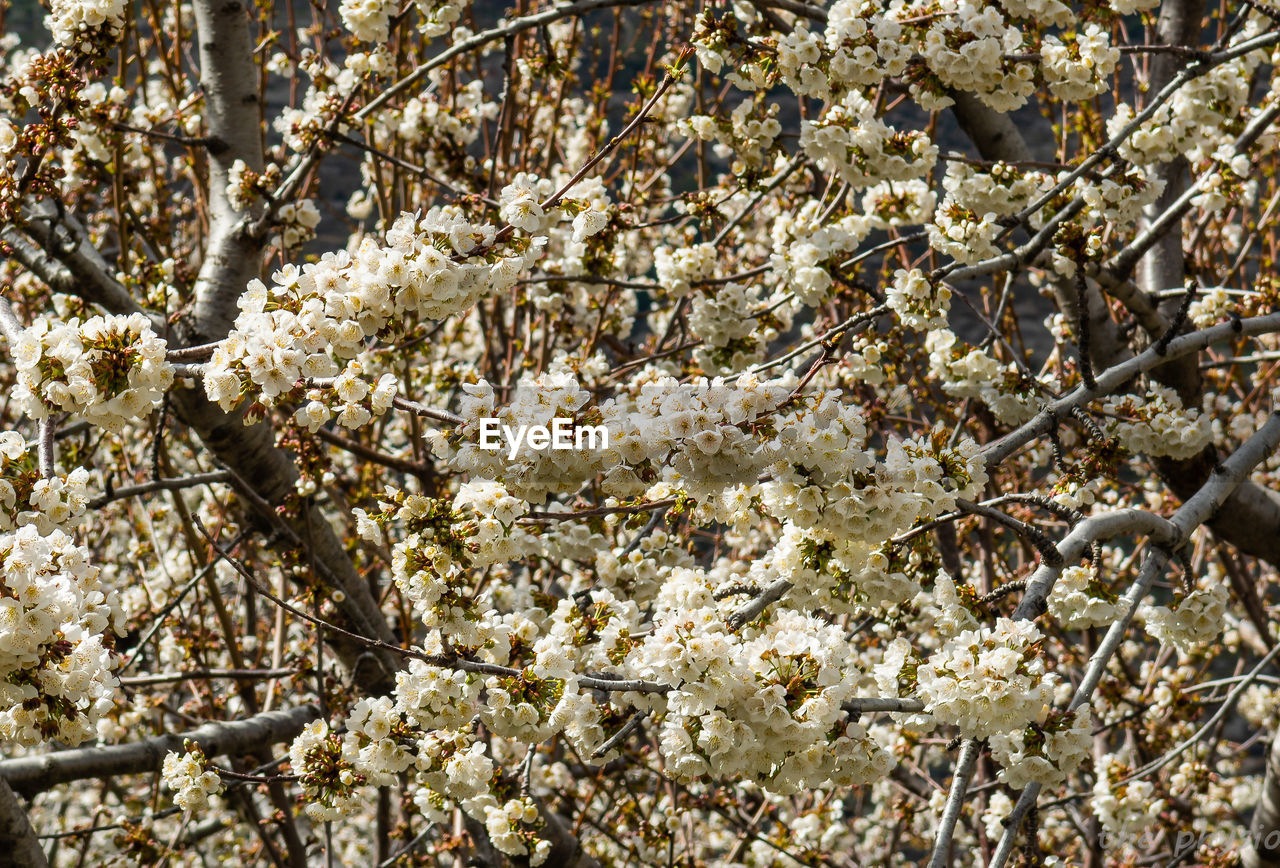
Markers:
{"x": 19, "y": 847}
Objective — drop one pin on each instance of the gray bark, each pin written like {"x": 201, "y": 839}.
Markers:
{"x": 1205, "y": 503}
{"x": 993, "y": 133}
{"x": 1164, "y": 266}
{"x": 35, "y": 774}
{"x": 1264, "y": 828}
{"x": 19, "y": 847}
{"x": 1248, "y": 515}
{"x": 230, "y": 83}
{"x": 79, "y": 269}
{"x": 232, "y": 258}
{"x": 566, "y": 849}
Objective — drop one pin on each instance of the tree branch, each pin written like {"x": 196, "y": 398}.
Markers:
{"x": 35, "y": 774}
{"x": 176, "y": 484}
{"x": 1195, "y": 512}
{"x": 965, "y": 765}
{"x": 230, "y": 84}
{"x": 74, "y": 272}
{"x": 19, "y": 847}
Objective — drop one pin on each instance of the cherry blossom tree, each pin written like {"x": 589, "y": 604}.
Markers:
{"x": 636, "y": 432}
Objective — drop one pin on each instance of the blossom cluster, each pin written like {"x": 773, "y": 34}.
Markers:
{"x": 798, "y": 55}
{"x": 77, "y": 23}
{"x": 991, "y": 683}
{"x": 704, "y": 726}
{"x": 439, "y": 16}
{"x": 966, "y": 52}
{"x": 1118, "y": 198}
{"x": 298, "y": 222}
{"x": 56, "y": 662}
{"x": 188, "y": 775}
{"x": 982, "y": 49}
{"x": 443, "y": 542}
{"x": 761, "y": 704}
{"x": 989, "y": 680}
{"x": 445, "y": 763}
{"x": 109, "y": 369}
{"x": 826, "y": 479}
{"x": 691, "y": 434}
{"x": 734, "y": 335}
{"x": 28, "y": 498}
{"x": 312, "y": 318}
{"x": 786, "y": 676}
{"x": 899, "y": 203}
{"x": 1158, "y": 425}
{"x": 1078, "y": 600}
{"x": 679, "y": 269}
{"x": 1044, "y": 753}
{"x": 865, "y": 46}
{"x": 953, "y": 610}
{"x": 1197, "y": 121}
{"x": 919, "y": 304}
{"x": 350, "y": 400}
{"x": 805, "y": 247}
{"x": 1000, "y": 189}
{"x": 851, "y": 142}
{"x": 1081, "y": 67}
{"x": 325, "y": 762}
{"x": 747, "y": 135}
{"x": 1124, "y": 807}
{"x": 368, "y": 20}
{"x": 962, "y": 233}
{"x": 1210, "y": 308}
{"x": 1196, "y": 619}
{"x": 301, "y": 125}
{"x": 1009, "y": 394}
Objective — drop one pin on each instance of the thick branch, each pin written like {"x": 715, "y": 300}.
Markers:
{"x": 993, "y": 133}
{"x": 230, "y": 84}
{"x": 35, "y": 774}
{"x": 1266, "y": 817}
{"x": 1164, "y": 265}
{"x": 1118, "y": 375}
{"x": 19, "y": 847}
{"x": 1108, "y": 525}
{"x": 566, "y": 849}
{"x": 965, "y": 766}
{"x": 1250, "y": 519}
{"x": 77, "y": 271}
